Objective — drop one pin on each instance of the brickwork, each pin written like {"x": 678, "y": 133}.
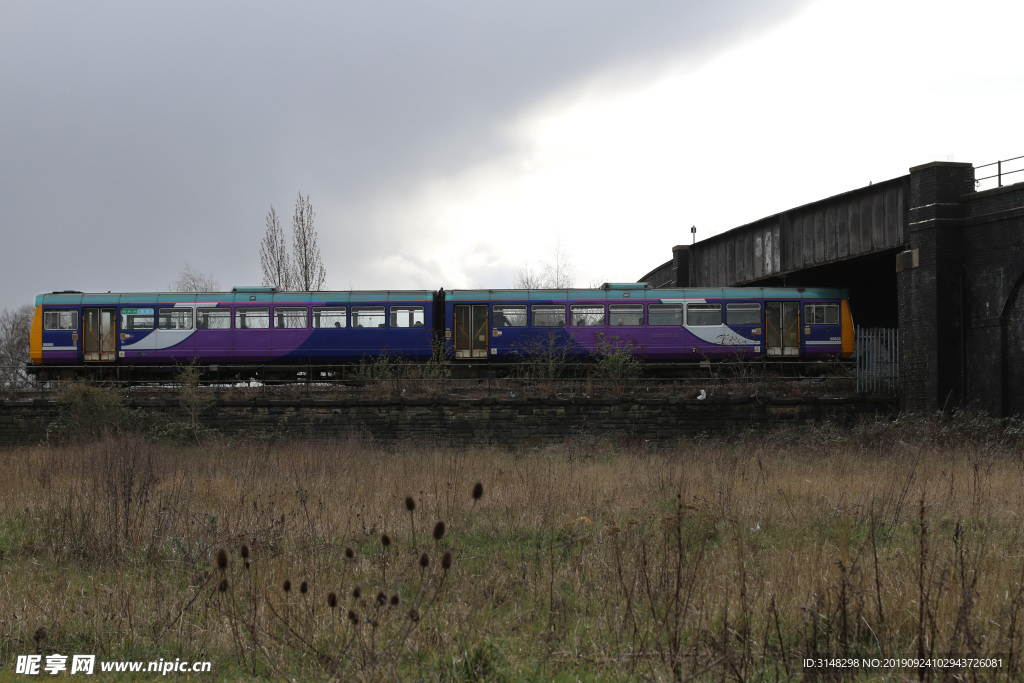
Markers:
{"x": 931, "y": 320}
{"x": 471, "y": 421}
{"x": 961, "y": 316}
{"x": 993, "y": 266}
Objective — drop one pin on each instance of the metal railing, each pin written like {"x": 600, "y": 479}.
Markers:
{"x": 1003, "y": 168}
{"x": 878, "y": 361}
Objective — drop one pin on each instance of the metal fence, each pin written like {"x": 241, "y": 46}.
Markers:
{"x": 998, "y": 170}
{"x": 878, "y": 361}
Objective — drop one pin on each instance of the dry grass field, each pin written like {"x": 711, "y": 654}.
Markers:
{"x": 732, "y": 559}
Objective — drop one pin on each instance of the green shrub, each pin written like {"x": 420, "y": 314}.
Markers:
{"x": 545, "y": 355}
{"x": 191, "y": 395}
{"x": 616, "y": 358}
{"x": 91, "y": 411}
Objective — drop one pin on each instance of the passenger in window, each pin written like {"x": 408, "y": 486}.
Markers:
{"x": 337, "y": 324}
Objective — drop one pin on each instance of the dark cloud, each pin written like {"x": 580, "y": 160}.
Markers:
{"x": 137, "y": 136}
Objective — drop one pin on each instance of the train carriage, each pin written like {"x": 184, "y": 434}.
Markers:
{"x": 655, "y": 324}
{"x": 249, "y": 325}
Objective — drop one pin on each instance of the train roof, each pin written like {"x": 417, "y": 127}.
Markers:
{"x": 640, "y": 291}
{"x": 635, "y": 291}
{"x": 238, "y": 295}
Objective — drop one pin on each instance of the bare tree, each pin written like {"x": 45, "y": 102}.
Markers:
{"x": 526, "y": 278}
{"x": 559, "y": 273}
{"x": 556, "y": 273}
{"x": 15, "y": 332}
{"x": 309, "y": 271}
{"x": 274, "y": 258}
{"x": 192, "y": 280}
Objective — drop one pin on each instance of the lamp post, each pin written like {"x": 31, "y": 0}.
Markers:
{"x": 693, "y": 231}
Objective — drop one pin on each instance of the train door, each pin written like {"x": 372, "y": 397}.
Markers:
{"x": 470, "y": 331}
{"x": 99, "y": 339}
{"x": 782, "y": 328}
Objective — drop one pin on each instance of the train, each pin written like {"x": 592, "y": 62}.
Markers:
{"x": 257, "y": 332}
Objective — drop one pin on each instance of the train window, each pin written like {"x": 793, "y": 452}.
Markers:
{"x": 509, "y": 316}
{"x": 290, "y": 318}
{"x": 406, "y": 316}
{"x": 137, "y": 318}
{"x": 743, "y": 314}
{"x": 548, "y": 315}
{"x": 587, "y": 315}
{"x": 368, "y": 316}
{"x": 175, "y": 319}
{"x": 213, "y": 319}
{"x": 61, "y": 320}
{"x": 821, "y": 314}
{"x": 703, "y": 314}
{"x": 252, "y": 318}
{"x": 330, "y": 316}
{"x": 626, "y": 314}
{"x": 665, "y": 315}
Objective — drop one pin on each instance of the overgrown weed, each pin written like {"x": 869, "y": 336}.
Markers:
{"x": 716, "y": 558}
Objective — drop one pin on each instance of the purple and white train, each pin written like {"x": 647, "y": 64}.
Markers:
{"x": 129, "y": 334}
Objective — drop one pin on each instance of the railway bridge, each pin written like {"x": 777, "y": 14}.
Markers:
{"x": 928, "y": 253}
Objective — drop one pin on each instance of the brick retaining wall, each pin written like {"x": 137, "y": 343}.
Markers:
{"x": 514, "y": 421}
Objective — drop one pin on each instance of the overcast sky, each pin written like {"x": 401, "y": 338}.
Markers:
{"x": 449, "y": 143}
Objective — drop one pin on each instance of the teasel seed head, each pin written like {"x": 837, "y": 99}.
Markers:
{"x": 410, "y": 504}
{"x": 244, "y": 552}
{"x": 424, "y": 560}
{"x": 414, "y": 615}
{"x": 356, "y": 592}
{"x": 353, "y": 617}
{"x": 381, "y": 599}
{"x": 446, "y": 560}
{"x": 439, "y": 530}
{"x": 349, "y": 553}
{"x": 385, "y": 540}
{"x": 395, "y": 600}
{"x": 223, "y": 585}
{"x": 222, "y": 559}
{"x": 332, "y": 599}
{"x": 287, "y": 586}
{"x": 304, "y": 587}
{"x": 478, "y": 491}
